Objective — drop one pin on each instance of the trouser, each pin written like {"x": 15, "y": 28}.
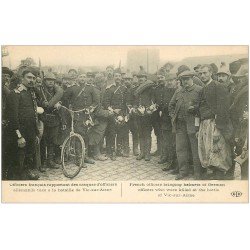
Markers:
{"x": 49, "y": 141}
{"x": 155, "y": 120}
{"x": 167, "y": 146}
{"x": 183, "y": 140}
{"x": 82, "y": 130}
{"x": 145, "y": 129}
{"x": 122, "y": 140}
{"x": 133, "y": 127}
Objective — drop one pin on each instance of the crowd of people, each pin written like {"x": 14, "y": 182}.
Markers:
{"x": 199, "y": 117}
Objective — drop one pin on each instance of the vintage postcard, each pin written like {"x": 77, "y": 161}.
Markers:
{"x": 114, "y": 124}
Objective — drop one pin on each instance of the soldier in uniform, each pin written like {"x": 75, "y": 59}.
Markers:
{"x": 51, "y": 94}
{"x": 114, "y": 99}
{"x": 144, "y": 99}
{"x": 163, "y": 94}
{"x": 183, "y": 109}
{"x": 6, "y": 79}
{"x": 132, "y": 122}
{"x": 23, "y": 132}
{"x": 78, "y": 97}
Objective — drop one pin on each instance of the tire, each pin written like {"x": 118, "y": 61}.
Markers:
{"x": 72, "y": 162}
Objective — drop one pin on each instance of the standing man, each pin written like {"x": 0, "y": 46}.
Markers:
{"x": 183, "y": 109}
{"x": 144, "y": 107}
{"x": 163, "y": 95}
{"x": 132, "y": 122}
{"x": 114, "y": 100}
{"x": 79, "y": 97}
{"x": 52, "y": 94}
{"x": 215, "y": 128}
{"x": 23, "y": 132}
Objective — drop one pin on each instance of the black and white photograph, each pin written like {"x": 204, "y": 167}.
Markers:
{"x": 124, "y": 113}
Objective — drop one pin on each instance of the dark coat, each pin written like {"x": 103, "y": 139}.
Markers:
{"x": 180, "y": 104}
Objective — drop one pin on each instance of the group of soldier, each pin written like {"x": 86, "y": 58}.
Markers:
{"x": 199, "y": 118}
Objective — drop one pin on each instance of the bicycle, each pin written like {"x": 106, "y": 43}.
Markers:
{"x": 73, "y": 147}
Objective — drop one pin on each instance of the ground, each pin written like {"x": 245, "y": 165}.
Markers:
{"x": 122, "y": 169}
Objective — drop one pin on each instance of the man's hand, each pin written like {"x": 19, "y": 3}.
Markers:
{"x": 245, "y": 115}
{"x": 58, "y": 105}
{"x": 21, "y": 142}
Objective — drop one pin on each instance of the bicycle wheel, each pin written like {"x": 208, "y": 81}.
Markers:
{"x": 72, "y": 155}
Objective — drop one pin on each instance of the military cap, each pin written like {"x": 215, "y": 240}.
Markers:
{"x": 186, "y": 73}
{"x": 181, "y": 69}
{"x": 6, "y": 70}
{"x": 90, "y": 74}
{"x": 49, "y": 75}
{"x": 72, "y": 70}
{"x": 33, "y": 70}
{"x": 110, "y": 67}
{"x": 197, "y": 66}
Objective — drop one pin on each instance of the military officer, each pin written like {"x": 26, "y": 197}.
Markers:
{"x": 52, "y": 94}
{"x": 22, "y": 116}
{"x": 144, "y": 107}
{"x": 114, "y": 99}
{"x": 132, "y": 122}
{"x": 163, "y": 94}
{"x": 78, "y": 97}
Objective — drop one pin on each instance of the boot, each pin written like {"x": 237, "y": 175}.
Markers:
{"x": 97, "y": 154}
{"x": 163, "y": 160}
{"x": 51, "y": 163}
{"x": 135, "y": 146}
{"x": 140, "y": 157}
{"x": 89, "y": 160}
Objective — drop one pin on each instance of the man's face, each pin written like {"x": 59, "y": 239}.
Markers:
{"x": 161, "y": 79}
{"x": 29, "y": 80}
{"x": 82, "y": 79}
{"x": 90, "y": 80}
{"x": 73, "y": 74}
{"x": 222, "y": 77}
{"x": 110, "y": 73}
{"x": 49, "y": 83}
{"x": 142, "y": 79}
{"x": 6, "y": 79}
{"x": 187, "y": 81}
{"x": 117, "y": 78}
{"x": 204, "y": 74}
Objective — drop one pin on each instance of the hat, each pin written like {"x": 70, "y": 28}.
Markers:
{"x": 90, "y": 74}
{"x": 243, "y": 71}
{"x": 197, "y": 66}
{"x": 214, "y": 68}
{"x": 72, "y": 70}
{"x": 49, "y": 75}
{"x": 32, "y": 70}
{"x": 223, "y": 69}
{"x": 110, "y": 67}
{"x": 186, "y": 73}
{"x": 6, "y": 70}
{"x": 181, "y": 69}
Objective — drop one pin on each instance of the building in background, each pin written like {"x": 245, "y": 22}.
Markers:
{"x": 148, "y": 58}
